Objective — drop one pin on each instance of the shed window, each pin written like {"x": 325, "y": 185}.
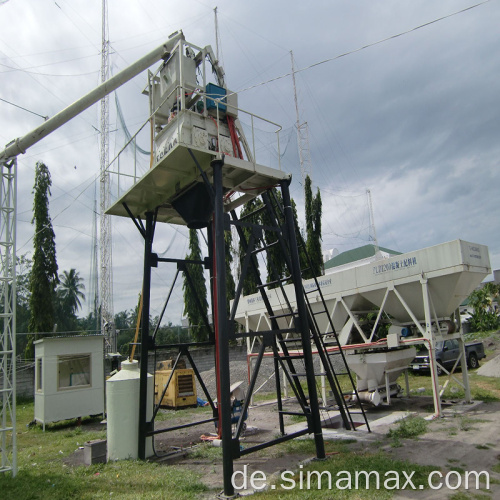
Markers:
{"x": 39, "y": 374}
{"x": 74, "y": 371}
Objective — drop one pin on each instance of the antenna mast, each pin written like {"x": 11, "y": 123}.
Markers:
{"x": 372, "y": 222}
{"x": 302, "y": 135}
{"x": 106, "y": 281}
{"x": 216, "y": 35}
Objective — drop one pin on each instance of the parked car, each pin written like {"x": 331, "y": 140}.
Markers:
{"x": 447, "y": 353}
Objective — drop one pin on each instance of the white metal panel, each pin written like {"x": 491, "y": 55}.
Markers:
{"x": 53, "y": 404}
{"x": 452, "y": 270}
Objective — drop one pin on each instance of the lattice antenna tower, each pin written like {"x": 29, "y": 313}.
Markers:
{"x": 94, "y": 269}
{"x": 106, "y": 273}
{"x": 8, "y": 211}
{"x": 302, "y": 135}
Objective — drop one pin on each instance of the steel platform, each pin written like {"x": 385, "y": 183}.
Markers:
{"x": 177, "y": 172}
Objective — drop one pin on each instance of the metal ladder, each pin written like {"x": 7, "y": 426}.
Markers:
{"x": 288, "y": 343}
{"x": 330, "y": 352}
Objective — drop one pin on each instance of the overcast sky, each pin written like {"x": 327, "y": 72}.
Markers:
{"x": 414, "y": 119}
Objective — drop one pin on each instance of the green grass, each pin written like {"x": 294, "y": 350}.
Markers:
{"x": 206, "y": 451}
{"x": 295, "y": 419}
{"x": 43, "y": 474}
{"x": 485, "y": 389}
{"x": 469, "y": 337}
{"x": 261, "y": 397}
{"x": 484, "y": 395}
{"x": 409, "y": 428}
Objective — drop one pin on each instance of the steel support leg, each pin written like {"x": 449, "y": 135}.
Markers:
{"x": 432, "y": 349}
{"x": 222, "y": 331}
{"x": 465, "y": 371}
{"x": 145, "y": 338}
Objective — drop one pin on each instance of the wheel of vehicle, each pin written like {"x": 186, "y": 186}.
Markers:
{"x": 439, "y": 370}
{"x": 473, "y": 361}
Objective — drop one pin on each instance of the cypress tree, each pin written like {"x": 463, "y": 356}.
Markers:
{"x": 313, "y": 208}
{"x": 276, "y": 264}
{"x": 250, "y": 282}
{"x": 44, "y": 278}
{"x": 191, "y": 309}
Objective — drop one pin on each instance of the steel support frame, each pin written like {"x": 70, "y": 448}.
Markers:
{"x": 148, "y": 344}
{"x": 223, "y": 333}
{"x": 426, "y": 327}
{"x": 8, "y": 202}
{"x": 217, "y": 253}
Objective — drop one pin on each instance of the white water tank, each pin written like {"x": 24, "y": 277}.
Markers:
{"x": 122, "y": 407}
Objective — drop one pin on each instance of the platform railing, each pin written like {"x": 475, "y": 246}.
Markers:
{"x": 125, "y": 173}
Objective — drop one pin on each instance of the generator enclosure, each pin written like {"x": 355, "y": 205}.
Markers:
{"x": 181, "y": 391}
{"x": 69, "y": 377}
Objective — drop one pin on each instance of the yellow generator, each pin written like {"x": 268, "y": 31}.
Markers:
{"x": 181, "y": 391}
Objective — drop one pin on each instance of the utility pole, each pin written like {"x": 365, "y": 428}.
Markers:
{"x": 302, "y": 135}
{"x": 372, "y": 222}
{"x": 106, "y": 274}
{"x": 216, "y": 34}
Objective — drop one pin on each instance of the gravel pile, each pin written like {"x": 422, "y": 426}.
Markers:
{"x": 239, "y": 373}
{"x": 491, "y": 368}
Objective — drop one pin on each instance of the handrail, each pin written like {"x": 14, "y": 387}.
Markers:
{"x": 179, "y": 89}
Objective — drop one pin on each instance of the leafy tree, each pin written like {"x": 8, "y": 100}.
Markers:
{"x": 123, "y": 320}
{"x": 250, "y": 282}
{"x": 313, "y": 207}
{"x": 67, "y": 301}
{"x": 43, "y": 279}
{"x": 485, "y": 303}
{"x": 194, "y": 314}
{"x": 70, "y": 290}
{"x": 275, "y": 262}
{"x": 171, "y": 334}
{"x": 88, "y": 323}
{"x": 23, "y": 273}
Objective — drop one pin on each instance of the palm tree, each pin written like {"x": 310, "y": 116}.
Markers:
{"x": 70, "y": 290}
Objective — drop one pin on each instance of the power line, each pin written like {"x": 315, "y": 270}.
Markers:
{"x": 24, "y": 109}
{"x": 359, "y": 49}
{"x": 26, "y": 69}
{"x": 11, "y": 68}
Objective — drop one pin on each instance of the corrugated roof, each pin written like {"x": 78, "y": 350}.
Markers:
{"x": 53, "y": 337}
{"x": 356, "y": 254}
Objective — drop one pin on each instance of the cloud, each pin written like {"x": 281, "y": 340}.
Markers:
{"x": 413, "y": 119}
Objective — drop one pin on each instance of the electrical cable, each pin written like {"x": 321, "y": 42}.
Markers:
{"x": 27, "y": 68}
{"x": 359, "y": 49}
{"x": 44, "y": 74}
{"x": 128, "y": 135}
{"x": 24, "y": 109}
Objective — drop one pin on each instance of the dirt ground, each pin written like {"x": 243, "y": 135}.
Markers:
{"x": 466, "y": 438}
